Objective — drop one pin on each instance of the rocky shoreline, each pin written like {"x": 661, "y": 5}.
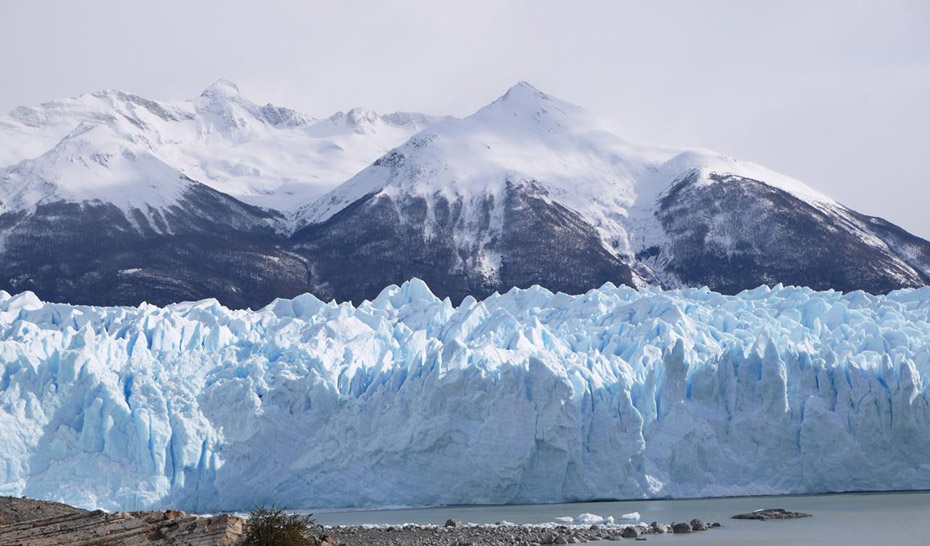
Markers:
{"x": 455, "y": 533}
{"x": 27, "y": 522}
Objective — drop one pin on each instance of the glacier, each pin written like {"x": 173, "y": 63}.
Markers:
{"x": 527, "y": 396}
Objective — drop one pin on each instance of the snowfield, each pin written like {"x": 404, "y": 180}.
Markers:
{"x": 528, "y": 396}
{"x": 117, "y": 147}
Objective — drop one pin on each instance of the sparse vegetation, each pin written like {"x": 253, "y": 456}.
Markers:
{"x": 273, "y": 527}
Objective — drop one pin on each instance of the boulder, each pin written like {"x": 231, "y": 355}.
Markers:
{"x": 631, "y": 532}
{"x": 454, "y": 523}
{"x": 659, "y": 528}
{"x": 698, "y": 525}
{"x": 681, "y": 528}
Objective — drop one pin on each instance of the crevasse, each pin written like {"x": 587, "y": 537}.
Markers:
{"x": 528, "y": 396}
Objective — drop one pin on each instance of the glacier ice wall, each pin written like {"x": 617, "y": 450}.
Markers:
{"x": 524, "y": 397}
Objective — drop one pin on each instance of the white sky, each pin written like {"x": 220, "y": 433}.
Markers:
{"x": 835, "y": 93}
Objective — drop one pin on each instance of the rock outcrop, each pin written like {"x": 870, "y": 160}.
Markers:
{"x": 772, "y": 513}
{"x": 99, "y": 528}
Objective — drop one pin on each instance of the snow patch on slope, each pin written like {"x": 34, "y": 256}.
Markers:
{"x": 99, "y": 165}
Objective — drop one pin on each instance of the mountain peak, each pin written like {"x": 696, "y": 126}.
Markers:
{"x": 528, "y": 103}
{"x": 361, "y": 116}
{"x": 524, "y": 89}
{"x": 221, "y": 87}
{"x": 524, "y": 94}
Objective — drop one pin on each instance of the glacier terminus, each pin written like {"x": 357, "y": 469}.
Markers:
{"x": 407, "y": 399}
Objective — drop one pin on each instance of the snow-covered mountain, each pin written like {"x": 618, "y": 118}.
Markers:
{"x": 528, "y": 396}
{"x": 267, "y": 156}
{"x": 533, "y": 190}
{"x": 113, "y": 198}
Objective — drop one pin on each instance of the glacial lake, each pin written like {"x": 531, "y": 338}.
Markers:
{"x": 892, "y": 519}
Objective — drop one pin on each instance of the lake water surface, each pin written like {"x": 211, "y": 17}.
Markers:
{"x": 890, "y": 519}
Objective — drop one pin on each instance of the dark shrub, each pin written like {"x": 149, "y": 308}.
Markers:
{"x": 273, "y": 527}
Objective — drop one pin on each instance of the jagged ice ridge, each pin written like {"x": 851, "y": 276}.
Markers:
{"x": 528, "y": 396}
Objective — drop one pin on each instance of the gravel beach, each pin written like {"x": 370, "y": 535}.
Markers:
{"x": 457, "y": 534}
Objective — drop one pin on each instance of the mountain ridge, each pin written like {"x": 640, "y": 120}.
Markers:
{"x": 527, "y": 190}
{"x": 265, "y": 155}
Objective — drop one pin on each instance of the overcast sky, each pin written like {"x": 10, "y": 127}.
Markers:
{"x": 835, "y": 93}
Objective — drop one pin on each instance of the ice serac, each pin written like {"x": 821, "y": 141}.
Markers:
{"x": 529, "y": 396}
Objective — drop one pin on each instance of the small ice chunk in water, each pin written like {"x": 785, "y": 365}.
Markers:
{"x": 593, "y": 519}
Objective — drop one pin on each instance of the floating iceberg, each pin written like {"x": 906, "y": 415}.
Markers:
{"x": 591, "y": 519}
{"x": 527, "y": 396}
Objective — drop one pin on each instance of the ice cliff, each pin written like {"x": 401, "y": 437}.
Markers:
{"x": 528, "y": 396}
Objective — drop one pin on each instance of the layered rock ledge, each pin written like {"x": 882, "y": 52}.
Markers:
{"x": 25, "y": 522}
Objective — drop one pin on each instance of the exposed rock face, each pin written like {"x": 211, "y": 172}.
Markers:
{"x": 772, "y": 513}
{"x": 735, "y": 232}
{"x": 380, "y": 241}
{"x": 68, "y": 525}
{"x": 16, "y": 509}
{"x": 94, "y": 253}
